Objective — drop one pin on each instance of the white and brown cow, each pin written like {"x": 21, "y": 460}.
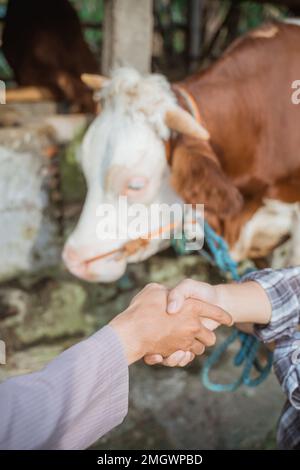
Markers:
{"x": 234, "y": 145}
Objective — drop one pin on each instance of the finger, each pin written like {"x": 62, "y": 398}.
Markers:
{"x": 188, "y": 289}
{"x": 185, "y": 361}
{"x": 152, "y": 359}
{"x": 206, "y": 337}
{"x": 210, "y": 324}
{"x": 174, "y": 359}
{"x": 213, "y": 312}
{"x": 197, "y": 348}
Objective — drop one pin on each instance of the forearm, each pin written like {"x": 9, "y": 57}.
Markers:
{"x": 77, "y": 398}
{"x": 269, "y": 299}
{"x": 130, "y": 331}
{"x": 246, "y": 302}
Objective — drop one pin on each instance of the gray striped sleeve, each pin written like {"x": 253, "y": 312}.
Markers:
{"x": 73, "y": 401}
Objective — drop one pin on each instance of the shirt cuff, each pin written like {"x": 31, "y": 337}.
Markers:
{"x": 287, "y": 367}
{"x": 284, "y": 302}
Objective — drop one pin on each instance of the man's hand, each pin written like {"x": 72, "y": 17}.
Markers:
{"x": 211, "y": 302}
{"x": 190, "y": 289}
{"x": 145, "y": 328}
{"x": 247, "y": 302}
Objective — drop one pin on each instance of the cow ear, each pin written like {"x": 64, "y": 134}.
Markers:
{"x": 198, "y": 179}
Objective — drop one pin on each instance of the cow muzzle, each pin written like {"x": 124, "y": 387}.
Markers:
{"x": 93, "y": 269}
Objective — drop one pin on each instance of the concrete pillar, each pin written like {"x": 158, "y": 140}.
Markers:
{"x": 128, "y": 27}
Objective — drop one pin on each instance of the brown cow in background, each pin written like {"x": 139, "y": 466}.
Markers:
{"x": 230, "y": 135}
{"x": 44, "y": 45}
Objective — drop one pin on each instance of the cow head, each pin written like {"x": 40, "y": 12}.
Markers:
{"x": 123, "y": 154}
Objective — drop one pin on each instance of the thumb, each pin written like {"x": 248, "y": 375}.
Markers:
{"x": 175, "y": 300}
{"x": 188, "y": 288}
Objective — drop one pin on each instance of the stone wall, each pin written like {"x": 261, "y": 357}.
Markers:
{"x": 29, "y": 217}
{"x": 32, "y": 142}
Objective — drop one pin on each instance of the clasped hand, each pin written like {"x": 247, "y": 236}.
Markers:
{"x": 170, "y": 327}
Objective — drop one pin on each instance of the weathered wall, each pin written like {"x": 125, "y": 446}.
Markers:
{"x": 31, "y": 149}
{"x": 28, "y": 228}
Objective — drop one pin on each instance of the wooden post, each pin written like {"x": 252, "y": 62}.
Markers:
{"x": 128, "y": 27}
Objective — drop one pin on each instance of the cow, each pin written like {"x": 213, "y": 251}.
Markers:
{"x": 234, "y": 145}
{"x": 44, "y": 45}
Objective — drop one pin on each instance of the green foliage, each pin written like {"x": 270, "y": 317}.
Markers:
{"x": 179, "y": 8}
{"x": 73, "y": 147}
{"x": 4, "y": 67}
{"x": 91, "y": 11}
{"x": 73, "y": 183}
{"x": 253, "y": 14}
{"x": 5, "y": 70}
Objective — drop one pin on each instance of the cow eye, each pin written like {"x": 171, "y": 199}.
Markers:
{"x": 137, "y": 183}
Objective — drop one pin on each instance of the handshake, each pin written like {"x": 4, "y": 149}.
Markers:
{"x": 172, "y": 327}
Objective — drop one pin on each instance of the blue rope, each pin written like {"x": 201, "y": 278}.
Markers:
{"x": 246, "y": 357}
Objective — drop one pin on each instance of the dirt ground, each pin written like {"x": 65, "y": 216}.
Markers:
{"x": 169, "y": 408}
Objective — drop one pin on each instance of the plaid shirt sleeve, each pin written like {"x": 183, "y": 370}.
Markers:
{"x": 283, "y": 290}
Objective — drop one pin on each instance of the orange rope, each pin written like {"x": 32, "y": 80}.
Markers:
{"x": 131, "y": 247}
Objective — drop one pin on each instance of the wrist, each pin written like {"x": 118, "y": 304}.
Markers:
{"x": 246, "y": 302}
{"x": 129, "y": 336}
{"x": 223, "y": 299}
